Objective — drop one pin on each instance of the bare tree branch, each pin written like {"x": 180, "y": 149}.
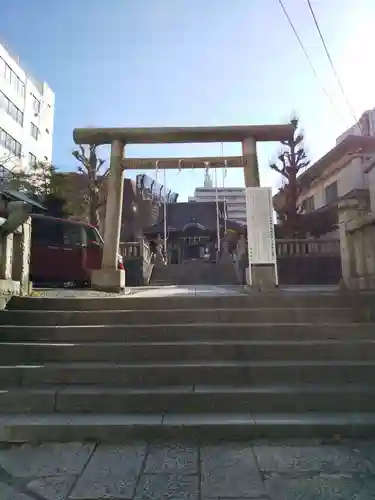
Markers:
{"x": 100, "y": 164}
{"x": 276, "y": 168}
{"x": 292, "y": 160}
{"x": 91, "y": 168}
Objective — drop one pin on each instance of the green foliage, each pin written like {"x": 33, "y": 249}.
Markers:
{"x": 42, "y": 182}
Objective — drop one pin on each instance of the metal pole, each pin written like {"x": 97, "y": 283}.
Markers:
{"x": 165, "y": 214}
{"x": 225, "y": 216}
{"x": 217, "y": 216}
{"x": 223, "y": 170}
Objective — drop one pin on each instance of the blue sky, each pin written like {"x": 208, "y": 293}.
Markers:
{"x": 194, "y": 62}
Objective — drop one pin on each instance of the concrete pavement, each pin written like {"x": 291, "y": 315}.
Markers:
{"x": 261, "y": 470}
{"x": 175, "y": 291}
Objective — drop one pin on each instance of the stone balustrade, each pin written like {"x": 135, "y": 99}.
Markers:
{"x": 135, "y": 250}
{"x": 137, "y": 262}
{"x": 306, "y": 247}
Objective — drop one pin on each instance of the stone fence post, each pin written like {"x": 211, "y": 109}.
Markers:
{"x": 357, "y": 245}
{"x": 21, "y": 257}
{"x": 348, "y": 211}
{"x": 15, "y": 261}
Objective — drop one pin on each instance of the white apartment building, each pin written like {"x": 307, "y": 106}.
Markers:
{"x": 233, "y": 197}
{"x": 340, "y": 173}
{"x": 364, "y": 127}
{"x": 343, "y": 169}
{"x": 26, "y": 115}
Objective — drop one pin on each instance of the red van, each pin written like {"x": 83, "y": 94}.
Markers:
{"x": 64, "y": 251}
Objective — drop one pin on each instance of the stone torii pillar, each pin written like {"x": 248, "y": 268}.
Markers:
{"x": 249, "y": 154}
{"x": 109, "y": 277}
{"x": 262, "y": 272}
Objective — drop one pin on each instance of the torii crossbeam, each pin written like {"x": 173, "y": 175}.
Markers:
{"x": 183, "y": 163}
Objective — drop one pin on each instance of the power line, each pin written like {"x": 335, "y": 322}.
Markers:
{"x": 331, "y": 62}
{"x": 308, "y": 58}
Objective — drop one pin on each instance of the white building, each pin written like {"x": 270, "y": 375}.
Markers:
{"x": 234, "y": 198}
{"x": 26, "y": 115}
{"x": 364, "y": 127}
{"x": 343, "y": 169}
{"x": 340, "y": 173}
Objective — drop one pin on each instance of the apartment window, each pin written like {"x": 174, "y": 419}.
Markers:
{"x": 308, "y": 204}
{"x": 35, "y": 104}
{"x": 5, "y": 176}
{"x": 11, "y": 77}
{"x": 11, "y": 108}
{"x": 32, "y": 159}
{"x": 34, "y": 131}
{"x": 331, "y": 194}
{"x": 13, "y": 146}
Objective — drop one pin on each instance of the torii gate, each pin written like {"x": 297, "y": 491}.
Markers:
{"x": 261, "y": 246}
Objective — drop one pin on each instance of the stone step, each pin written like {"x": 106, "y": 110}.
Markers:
{"x": 168, "y": 316}
{"x": 280, "y": 299}
{"x": 181, "y": 332}
{"x": 183, "y": 373}
{"x": 190, "y": 399}
{"x": 205, "y": 427}
{"x": 159, "y": 352}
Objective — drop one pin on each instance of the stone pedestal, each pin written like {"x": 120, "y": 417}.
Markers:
{"x": 108, "y": 280}
{"x": 263, "y": 276}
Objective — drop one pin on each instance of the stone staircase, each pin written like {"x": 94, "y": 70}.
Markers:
{"x": 194, "y": 273}
{"x": 268, "y": 365}
{"x": 165, "y": 275}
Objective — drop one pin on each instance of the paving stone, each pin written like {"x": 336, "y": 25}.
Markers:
{"x": 367, "y": 449}
{"x": 115, "y": 460}
{"x": 328, "y": 459}
{"x": 9, "y": 493}
{"x": 45, "y": 460}
{"x": 321, "y": 487}
{"x": 230, "y": 471}
{"x": 104, "y": 486}
{"x": 52, "y": 487}
{"x": 111, "y": 473}
{"x": 167, "y": 487}
{"x": 173, "y": 459}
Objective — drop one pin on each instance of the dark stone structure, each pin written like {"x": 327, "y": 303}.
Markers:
{"x": 192, "y": 230}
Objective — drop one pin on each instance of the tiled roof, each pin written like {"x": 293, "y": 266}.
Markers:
{"x": 182, "y": 214}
